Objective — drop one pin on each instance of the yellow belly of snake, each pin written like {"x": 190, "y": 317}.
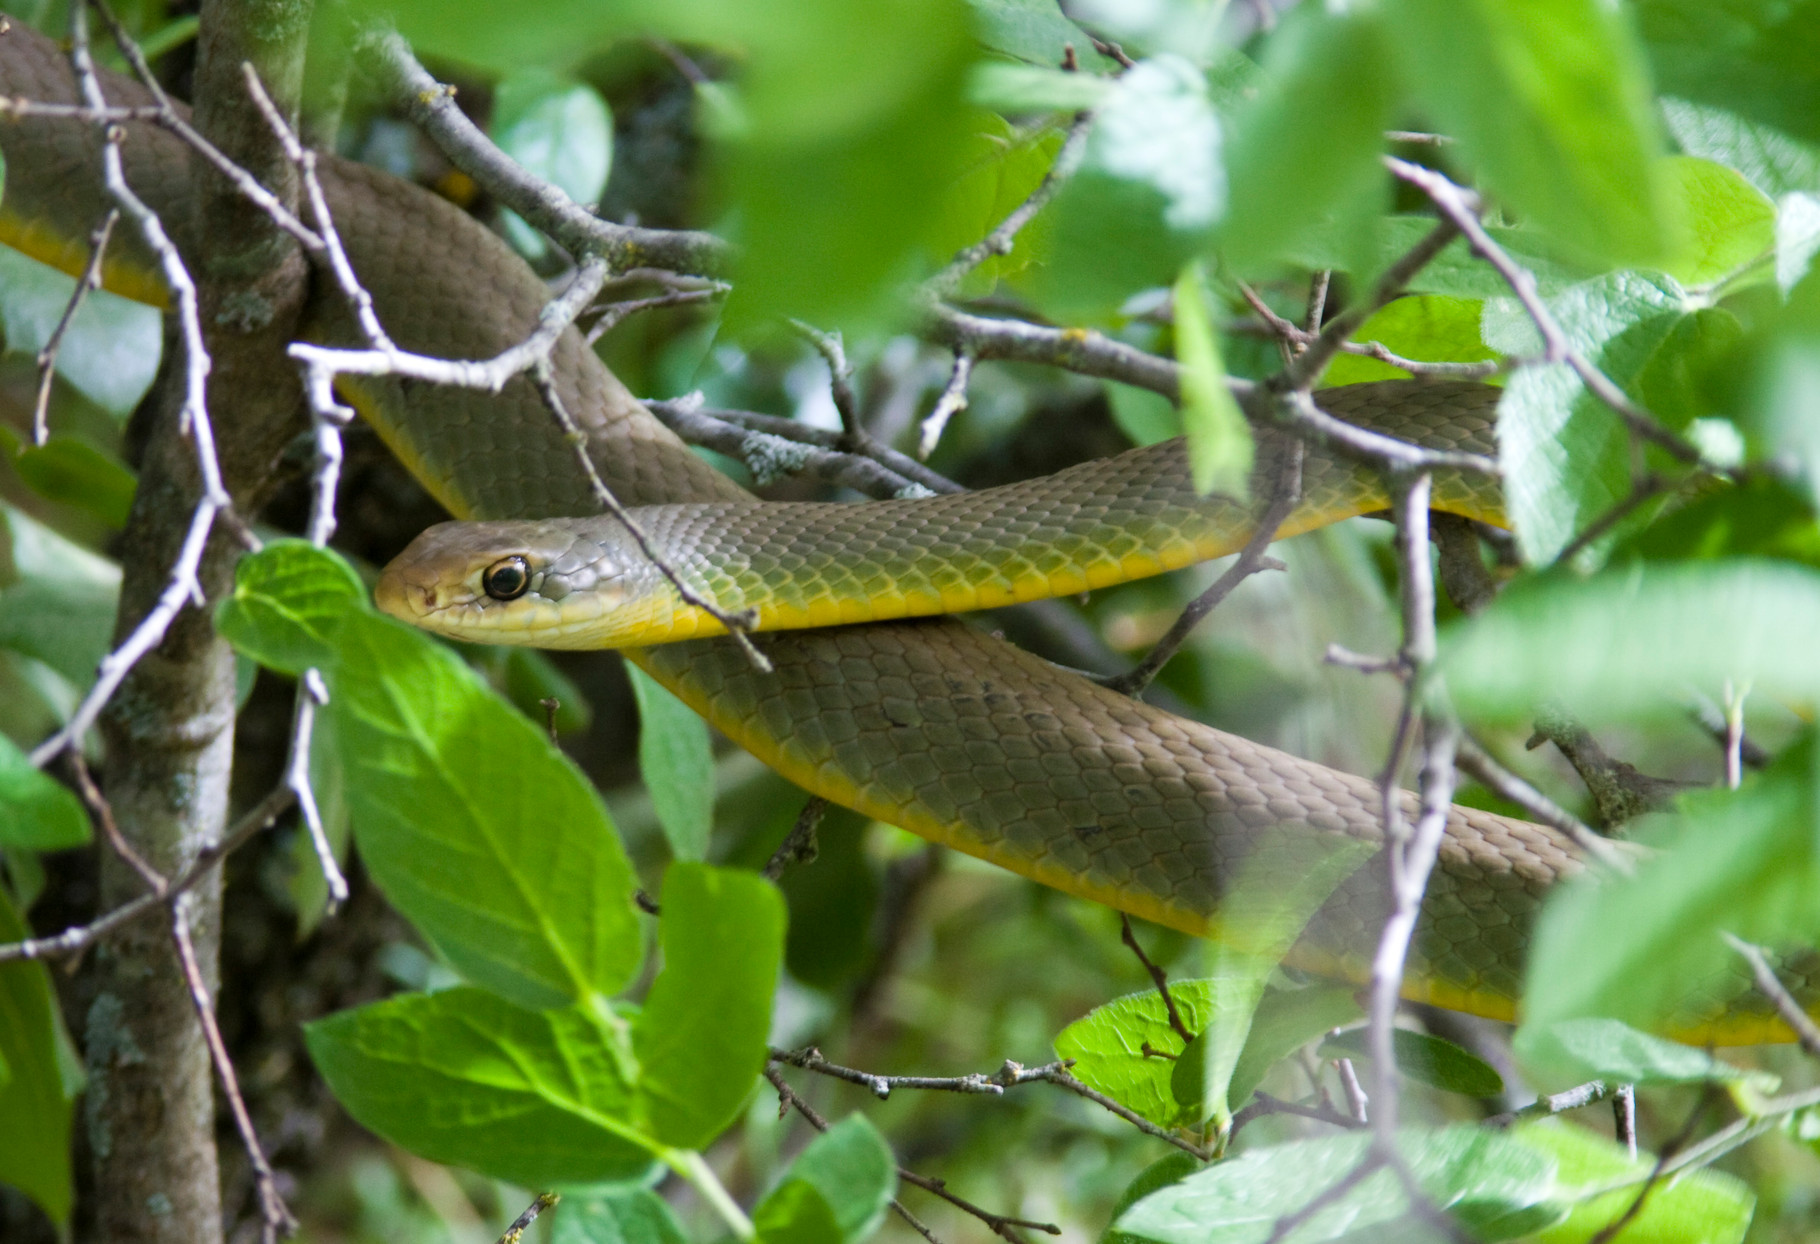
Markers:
{"x": 927, "y": 724}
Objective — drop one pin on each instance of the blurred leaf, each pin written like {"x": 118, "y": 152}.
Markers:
{"x": 855, "y": 1172}
{"x": 288, "y": 605}
{"x": 36, "y": 813}
{"x": 1647, "y": 949}
{"x": 1727, "y": 222}
{"x": 846, "y": 137}
{"x": 1163, "y": 1172}
{"x": 464, "y": 1077}
{"x": 110, "y": 353}
{"x": 1759, "y": 59}
{"x": 677, "y": 762}
{"x": 1634, "y": 640}
{"x": 1309, "y": 144}
{"x": 488, "y": 839}
{"x": 1030, "y": 88}
{"x": 1148, "y": 189}
{"x": 1797, "y": 238}
{"x": 1550, "y": 104}
{"x": 1004, "y": 164}
{"x": 559, "y": 130}
{"x": 1426, "y": 1060}
{"x": 1142, "y": 415}
{"x": 36, "y": 1097}
{"x": 796, "y": 1213}
{"x": 1456, "y": 272}
{"x": 1673, "y": 384}
{"x": 1285, "y": 1021}
{"x": 1034, "y": 30}
{"x": 1575, "y": 1051}
{"x": 1771, "y": 385}
{"x": 1701, "y": 1206}
{"x": 1762, "y": 517}
{"x": 1496, "y": 1187}
{"x": 1566, "y": 457}
{"x": 1426, "y": 328}
{"x": 701, "y": 1035}
{"x": 70, "y": 471}
{"x": 1220, "y": 447}
{"x": 60, "y": 608}
{"x": 1775, "y": 162}
{"x": 619, "y": 1216}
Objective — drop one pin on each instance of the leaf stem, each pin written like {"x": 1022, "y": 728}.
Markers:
{"x": 693, "y": 1167}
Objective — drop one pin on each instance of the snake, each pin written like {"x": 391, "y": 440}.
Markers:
{"x": 873, "y": 697}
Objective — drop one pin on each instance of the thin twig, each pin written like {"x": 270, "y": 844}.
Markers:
{"x": 736, "y": 624}
{"x": 275, "y": 1216}
{"x": 799, "y": 845}
{"x": 312, "y": 692}
{"x": 1287, "y": 493}
{"x": 47, "y": 357}
{"x": 881, "y": 1086}
{"x": 1357, "y": 1100}
{"x": 1480, "y": 765}
{"x": 1460, "y": 207}
{"x": 80, "y": 937}
{"x": 1262, "y": 1104}
{"x": 514, "y": 1233}
{"x": 840, "y": 377}
{"x": 432, "y": 106}
{"x": 952, "y": 401}
{"x": 1157, "y": 975}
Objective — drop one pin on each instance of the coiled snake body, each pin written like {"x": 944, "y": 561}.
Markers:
{"x": 925, "y": 723}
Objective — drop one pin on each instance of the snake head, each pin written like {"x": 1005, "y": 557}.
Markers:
{"x": 569, "y": 584}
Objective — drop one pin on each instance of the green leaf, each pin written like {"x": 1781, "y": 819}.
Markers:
{"x": 1220, "y": 446}
{"x": 1647, "y": 948}
{"x": 1163, "y": 1172}
{"x": 72, "y": 472}
{"x": 464, "y": 1077}
{"x": 1148, "y": 189}
{"x": 618, "y": 1216}
{"x": 488, "y": 839}
{"x": 1034, "y": 31}
{"x": 1550, "y": 103}
{"x": 288, "y": 604}
{"x": 529, "y": 677}
{"x": 701, "y": 1035}
{"x": 36, "y": 813}
{"x": 1456, "y": 272}
{"x": 1030, "y": 88}
{"x": 1762, "y": 517}
{"x": 1775, "y": 162}
{"x": 1426, "y": 1060}
{"x": 1575, "y": 1051}
{"x": 1003, "y": 164}
{"x": 1107, "y": 1046}
{"x": 853, "y": 1169}
{"x": 1726, "y": 221}
{"x": 110, "y": 353}
{"x": 1426, "y": 328}
{"x": 1797, "y": 238}
{"x": 1142, "y": 415}
{"x": 1497, "y": 1188}
{"x": 1755, "y": 58}
{"x": 845, "y": 138}
{"x": 1285, "y": 1021}
{"x": 1566, "y": 456}
{"x": 1632, "y": 640}
{"x": 1308, "y": 145}
{"x": 677, "y": 762}
{"x": 796, "y": 1213}
{"x": 60, "y": 608}
{"x": 1696, "y": 1207}
{"x": 37, "y": 1097}
{"x": 559, "y": 130}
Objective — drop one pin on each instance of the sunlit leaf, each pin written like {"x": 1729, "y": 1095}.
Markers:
{"x": 1575, "y": 1051}
{"x": 1426, "y": 328}
{"x": 464, "y": 1077}
{"x": 701, "y": 1035}
{"x": 1726, "y": 221}
{"x": 1774, "y": 161}
{"x": 559, "y": 130}
{"x": 1701, "y": 1206}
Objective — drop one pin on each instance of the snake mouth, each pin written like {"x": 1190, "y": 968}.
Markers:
{"x": 411, "y": 602}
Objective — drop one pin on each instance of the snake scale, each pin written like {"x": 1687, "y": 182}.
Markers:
{"x": 925, "y": 723}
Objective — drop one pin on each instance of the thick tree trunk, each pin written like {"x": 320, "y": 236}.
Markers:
{"x": 170, "y": 729}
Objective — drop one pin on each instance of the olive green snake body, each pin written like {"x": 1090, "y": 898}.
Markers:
{"x": 928, "y": 723}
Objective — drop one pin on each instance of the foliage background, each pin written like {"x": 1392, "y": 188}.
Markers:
{"x": 1655, "y": 164}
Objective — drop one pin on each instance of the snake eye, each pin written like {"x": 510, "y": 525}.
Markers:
{"x": 507, "y": 578}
